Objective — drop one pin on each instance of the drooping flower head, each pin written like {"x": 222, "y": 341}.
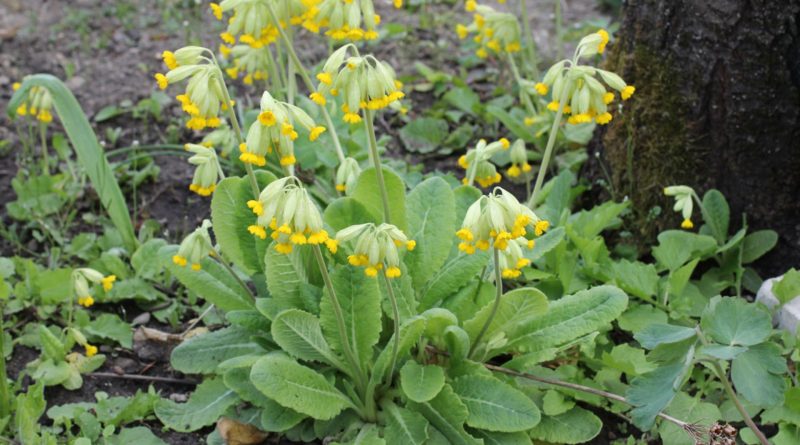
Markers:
{"x": 519, "y": 160}
{"x": 376, "y": 247}
{"x": 275, "y": 130}
{"x": 250, "y": 61}
{"x": 38, "y": 104}
{"x": 683, "y": 203}
{"x": 204, "y": 95}
{"x": 476, "y": 162}
{"x": 222, "y": 138}
{"x": 285, "y": 207}
{"x": 495, "y": 32}
{"x": 80, "y": 284}
{"x": 498, "y": 220}
{"x": 195, "y": 247}
{"x": 587, "y": 97}
{"x": 251, "y": 20}
{"x": 352, "y": 20}
{"x": 206, "y": 171}
{"x": 346, "y": 175}
{"x": 362, "y": 82}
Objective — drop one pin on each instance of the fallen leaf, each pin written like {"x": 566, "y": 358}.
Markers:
{"x": 237, "y": 433}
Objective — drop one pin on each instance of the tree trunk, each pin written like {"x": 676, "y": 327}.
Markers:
{"x": 717, "y": 105}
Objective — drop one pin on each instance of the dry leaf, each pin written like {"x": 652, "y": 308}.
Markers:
{"x": 237, "y": 433}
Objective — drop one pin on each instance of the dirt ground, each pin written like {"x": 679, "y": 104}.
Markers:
{"x": 107, "y": 52}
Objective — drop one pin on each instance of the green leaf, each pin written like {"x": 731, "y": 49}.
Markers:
{"x": 360, "y": 301}
{"x": 676, "y": 247}
{"x": 722, "y": 352}
{"x": 495, "y": 438}
{"x": 680, "y": 278}
{"x": 574, "y": 426}
{"x": 212, "y": 282}
{"x": 139, "y": 435}
{"x": 788, "y": 287}
{"x": 554, "y": 403}
{"x": 346, "y": 211}
{"x": 512, "y": 319}
{"x": 660, "y": 333}
{"x": 431, "y": 223}
{"x": 758, "y": 243}
{"x": 758, "y": 373}
{"x": 636, "y": 278}
{"x": 447, "y": 414}
{"x": 299, "y": 334}
{"x": 297, "y": 387}
{"x": 464, "y": 196}
{"x": 638, "y": 318}
{"x": 571, "y": 317}
{"x": 451, "y": 277}
{"x": 90, "y": 154}
{"x": 494, "y": 405}
{"x": 513, "y": 124}
{"x": 691, "y": 410}
{"x": 404, "y": 426}
{"x": 230, "y": 218}
{"x": 716, "y": 214}
{"x": 627, "y": 359}
{"x": 368, "y": 193}
{"x": 201, "y": 354}
{"x": 111, "y": 327}
{"x": 421, "y": 383}
{"x": 464, "y": 98}
{"x": 424, "y": 135}
{"x": 545, "y": 243}
{"x": 274, "y": 417}
{"x": 734, "y": 321}
{"x": 29, "y": 408}
{"x": 206, "y": 404}
{"x": 652, "y": 392}
{"x": 410, "y": 332}
{"x": 285, "y": 275}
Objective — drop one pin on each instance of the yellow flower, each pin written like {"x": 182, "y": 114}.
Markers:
{"x": 169, "y": 59}
{"x": 627, "y": 92}
{"x": 86, "y": 301}
{"x": 470, "y": 5}
{"x": 162, "y": 81}
{"x": 91, "y": 351}
{"x": 108, "y": 282}
{"x": 217, "y": 10}
{"x": 541, "y": 88}
{"x": 179, "y": 260}
{"x": 687, "y": 224}
{"x": 603, "y": 40}
{"x": 315, "y": 132}
{"x": 462, "y": 31}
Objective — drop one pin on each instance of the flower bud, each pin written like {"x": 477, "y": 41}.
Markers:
{"x": 347, "y": 175}
{"x": 195, "y": 247}
{"x": 207, "y": 169}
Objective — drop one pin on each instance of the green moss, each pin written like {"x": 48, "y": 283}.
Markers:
{"x": 647, "y": 146}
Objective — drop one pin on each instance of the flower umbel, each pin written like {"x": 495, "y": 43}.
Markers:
{"x": 195, "y": 247}
{"x": 495, "y": 32}
{"x": 38, "y": 104}
{"x": 683, "y": 203}
{"x": 376, "y": 247}
{"x": 206, "y": 171}
{"x": 82, "y": 277}
{"x": 476, "y": 163}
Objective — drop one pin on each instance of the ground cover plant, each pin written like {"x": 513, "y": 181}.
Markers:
{"x": 334, "y": 292}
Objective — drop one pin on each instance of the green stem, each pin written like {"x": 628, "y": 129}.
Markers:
{"x": 530, "y": 45}
{"x": 526, "y": 100}
{"x": 732, "y": 394}
{"x": 45, "y": 154}
{"x": 239, "y": 136}
{"x": 233, "y": 273}
{"x": 548, "y": 151}
{"x": 5, "y": 402}
{"x": 396, "y": 315}
{"x": 337, "y": 310}
{"x": 306, "y": 80}
{"x": 498, "y": 278}
{"x": 376, "y": 161}
{"x": 274, "y": 72}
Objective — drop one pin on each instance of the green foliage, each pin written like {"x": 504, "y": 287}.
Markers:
{"x": 787, "y": 287}
{"x": 206, "y": 404}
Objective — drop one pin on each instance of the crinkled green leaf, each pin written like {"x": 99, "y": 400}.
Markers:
{"x": 299, "y": 334}
{"x": 421, "y": 383}
{"x": 574, "y": 426}
{"x": 347, "y": 211}
{"x": 201, "y": 354}
{"x": 494, "y": 405}
{"x": 368, "y": 193}
{"x": 716, "y": 215}
{"x": 430, "y": 208}
{"x": 659, "y": 333}
{"x": 447, "y": 413}
{"x": 757, "y": 243}
{"x": 206, "y": 404}
{"x": 451, "y": 277}
{"x": 404, "y": 426}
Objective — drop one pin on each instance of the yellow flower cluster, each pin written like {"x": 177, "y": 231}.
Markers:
{"x": 195, "y": 247}
{"x": 80, "y": 284}
{"x": 494, "y": 31}
{"x": 346, "y": 175}
{"x": 285, "y": 207}
{"x": 476, "y": 163}
{"x": 275, "y": 130}
{"x": 587, "y": 97}
{"x": 376, "y": 247}
{"x": 501, "y": 222}
{"x": 38, "y": 104}
{"x": 519, "y": 160}
{"x": 352, "y": 20}
{"x": 204, "y": 95}
{"x": 207, "y": 169}
{"x": 252, "y": 22}
{"x": 363, "y": 82}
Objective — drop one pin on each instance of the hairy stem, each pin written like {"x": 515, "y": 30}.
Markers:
{"x": 548, "y": 150}
{"x": 396, "y": 315}
{"x": 498, "y": 278}
{"x": 376, "y": 161}
{"x": 239, "y": 136}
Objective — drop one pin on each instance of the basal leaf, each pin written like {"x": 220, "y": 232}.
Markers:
{"x": 758, "y": 243}
{"x": 574, "y": 426}
{"x": 716, "y": 214}
{"x": 652, "y": 392}
{"x": 347, "y": 211}
{"x": 421, "y": 383}
{"x": 404, "y": 426}
{"x": 758, "y": 374}
{"x": 206, "y": 404}
{"x": 734, "y": 321}
{"x": 297, "y": 387}
{"x": 431, "y": 223}
{"x": 494, "y": 405}
{"x": 285, "y": 275}
{"x": 360, "y": 301}
{"x": 636, "y": 278}
{"x": 451, "y": 277}
{"x": 299, "y": 334}
{"x": 447, "y": 413}
{"x": 201, "y": 354}
{"x": 368, "y": 193}
{"x": 676, "y": 247}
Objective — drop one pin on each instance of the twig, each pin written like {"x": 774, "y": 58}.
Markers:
{"x": 146, "y": 378}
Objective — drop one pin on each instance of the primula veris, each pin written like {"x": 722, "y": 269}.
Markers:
{"x": 223, "y": 138}
{"x": 519, "y": 160}
{"x": 499, "y": 221}
{"x": 347, "y": 175}
{"x": 362, "y": 82}
{"x": 476, "y": 162}
{"x": 251, "y": 23}
{"x": 495, "y": 32}
{"x": 683, "y": 203}
{"x": 206, "y": 171}
{"x": 38, "y": 104}
{"x": 274, "y": 130}
{"x": 351, "y": 20}
{"x": 286, "y": 209}
{"x": 80, "y": 284}
{"x": 588, "y": 99}
{"x": 195, "y": 247}
{"x": 376, "y": 247}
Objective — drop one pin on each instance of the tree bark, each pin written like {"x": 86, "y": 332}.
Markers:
{"x": 717, "y": 105}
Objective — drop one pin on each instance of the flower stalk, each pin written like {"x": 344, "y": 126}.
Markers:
{"x": 498, "y": 277}
{"x": 376, "y": 161}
